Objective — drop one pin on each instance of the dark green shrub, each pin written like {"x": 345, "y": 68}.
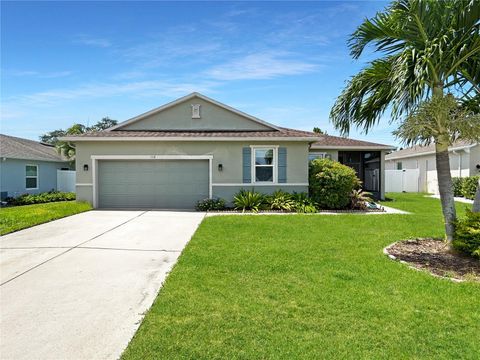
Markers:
{"x": 457, "y": 183}
{"x": 467, "y": 234}
{"x": 280, "y": 200}
{"x": 469, "y": 186}
{"x": 248, "y": 200}
{"x": 210, "y": 204}
{"x": 331, "y": 183}
{"x": 29, "y": 199}
{"x": 303, "y": 204}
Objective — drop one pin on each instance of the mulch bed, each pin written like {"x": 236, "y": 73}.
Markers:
{"x": 433, "y": 255}
{"x": 348, "y": 211}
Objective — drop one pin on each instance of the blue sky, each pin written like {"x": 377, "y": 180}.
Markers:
{"x": 284, "y": 62}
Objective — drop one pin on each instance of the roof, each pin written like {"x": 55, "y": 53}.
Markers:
{"x": 17, "y": 148}
{"x": 419, "y": 150}
{"x": 281, "y": 133}
{"x": 188, "y": 97}
{"x": 337, "y": 142}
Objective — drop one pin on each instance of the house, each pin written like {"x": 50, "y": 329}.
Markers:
{"x": 195, "y": 147}
{"x": 28, "y": 167}
{"x": 464, "y": 162}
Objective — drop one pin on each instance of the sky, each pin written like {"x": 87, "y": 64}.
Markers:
{"x": 77, "y": 62}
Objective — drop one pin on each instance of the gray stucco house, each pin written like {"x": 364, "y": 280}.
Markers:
{"x": 28, "y": 167}
{"x": 195, "y": 147}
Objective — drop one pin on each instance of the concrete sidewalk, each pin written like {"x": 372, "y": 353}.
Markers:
{"x": 77, "y": 288}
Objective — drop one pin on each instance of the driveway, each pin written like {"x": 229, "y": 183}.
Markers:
{"x": 77, "y": 288}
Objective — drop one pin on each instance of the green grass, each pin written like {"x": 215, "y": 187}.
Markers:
{"x": 21, "y": 217}
{"x": 310, "y": 287}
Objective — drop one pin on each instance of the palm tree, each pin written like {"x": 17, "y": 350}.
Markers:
{"x": 427, "y": 48}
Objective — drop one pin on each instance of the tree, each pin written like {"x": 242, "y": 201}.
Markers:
{"x": 66, "y": 148}
{"x": 317, "y": 130}
{"x": 426, "y": 48}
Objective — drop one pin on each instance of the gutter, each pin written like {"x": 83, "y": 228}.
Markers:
{"x": 464, "y": 147}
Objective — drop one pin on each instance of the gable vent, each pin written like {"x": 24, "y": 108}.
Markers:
{"x": 196, "y": 111}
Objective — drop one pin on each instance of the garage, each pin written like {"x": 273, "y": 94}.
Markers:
{"x": 152, "y": 184}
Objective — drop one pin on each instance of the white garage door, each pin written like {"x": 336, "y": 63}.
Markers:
{"x": 152, "y": 184}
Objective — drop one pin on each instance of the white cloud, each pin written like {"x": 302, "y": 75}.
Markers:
{"x": 37, "y": 74}
{"x": 93, "y": 41}
{"x": 265, "y": 65}
{"x": 104, "y": 90}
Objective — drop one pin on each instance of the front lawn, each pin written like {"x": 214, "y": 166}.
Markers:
{"x": 310, "y": 286}
{"x": 21, "y": 217}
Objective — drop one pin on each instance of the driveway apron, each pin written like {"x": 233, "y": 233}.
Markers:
{"x": 78, "y": 287}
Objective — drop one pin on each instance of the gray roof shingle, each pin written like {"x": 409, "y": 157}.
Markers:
{"x": 18, "y": 148}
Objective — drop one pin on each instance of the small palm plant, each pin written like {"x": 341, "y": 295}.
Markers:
{"x": 359, "y": 199}
{"x": 248, "y": 200}
{"x": 280, "y": 200}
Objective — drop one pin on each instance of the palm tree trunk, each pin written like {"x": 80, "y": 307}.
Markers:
{"x": 476, "y": 202}
{"x": 445, "y": 187}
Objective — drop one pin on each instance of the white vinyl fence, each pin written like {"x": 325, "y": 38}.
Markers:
{"x": 66, "y": 180}
{"x": 402, "y": 180}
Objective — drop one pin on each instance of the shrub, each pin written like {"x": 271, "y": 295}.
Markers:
{"x": 467, "y": 234}
{"x": 52, "y": 196}
{"x": 210, "y": 204}
{"x": 331, "y": 183}
{"x": 457, "y": 183}
{"x": 469, "y": 186}
{"x": 303, "y": 204}
{"x": 248, "y": 200}
{"x": 280, "y": 200}
{"x": 359, "y": 199}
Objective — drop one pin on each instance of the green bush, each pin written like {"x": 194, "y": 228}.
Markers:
{"x": 29, "y": 199}
{"x": 210, "y": 204}
{"x": 303, "y": 204}
{"x": 457, "y": 183}
{"x": 469, "y": 186}
{"x": 331, "y": 183}
{"x": 467, "y": 234}
{"x": 248, "y": 200}
{"x": 280, "y": 200}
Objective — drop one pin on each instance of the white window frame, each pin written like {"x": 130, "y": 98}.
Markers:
{"x": 31, "y": 177}
{"x": 274, "y": 163}
{"x": 321, "y": 155}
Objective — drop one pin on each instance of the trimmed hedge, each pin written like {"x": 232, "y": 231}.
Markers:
{"x": 331, "y": 183}
{"x": 467, "y": 234}
{"x": 29, "y": 199}
{"x": 457, "y": 183}
{"x": 469, "y": 186}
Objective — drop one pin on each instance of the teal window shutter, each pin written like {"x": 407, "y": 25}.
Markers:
{"x": 282, "y": 165}
{"x": 247, "y": 165}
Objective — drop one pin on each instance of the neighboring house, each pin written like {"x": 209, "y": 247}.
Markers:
{"x": 28, "y": 166}
{"x": 195, "y": 147}
{"x": 464, "y": 162}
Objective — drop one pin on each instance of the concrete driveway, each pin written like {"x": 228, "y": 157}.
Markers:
{"x": 77, "y": 288}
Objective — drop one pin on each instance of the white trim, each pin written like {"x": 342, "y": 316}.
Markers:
{"x": 274, "y": 165}
{"x": 152, "y": 157}
{"x": 96, "y": 158}
{"x": 188, "y": 97}
{"x": 260, "y": 184}
{"x": 358, "y": 147}
{"x": 83, "y": 184}
{"x": 37, "y": 177}
{"x": 394, "y": 157}
{"x": 187, "y": 139}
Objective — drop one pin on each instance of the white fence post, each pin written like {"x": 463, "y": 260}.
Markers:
{"x": 66, "y": 180}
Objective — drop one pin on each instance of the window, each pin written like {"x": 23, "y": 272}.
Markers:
{"x": 317, "y": 155}
{"x": 31, "y": 177}
{"x": 264, "y": 164}
{"x": 399, "y": 165}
